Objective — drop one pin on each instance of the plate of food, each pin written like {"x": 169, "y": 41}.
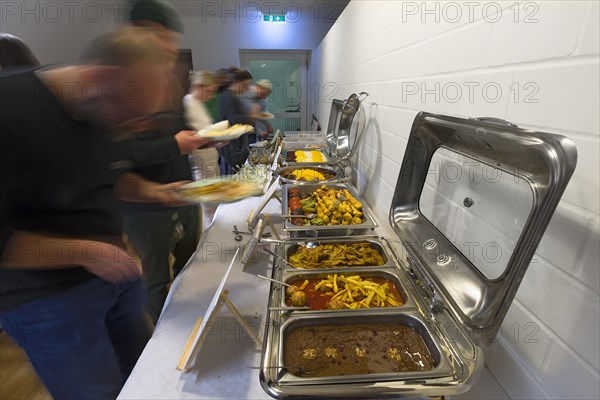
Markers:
{"x": 222, "y": 131}
{"x": 222, "y": 189}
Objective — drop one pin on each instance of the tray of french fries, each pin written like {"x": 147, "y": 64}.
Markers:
{"x": 344, "y": 289}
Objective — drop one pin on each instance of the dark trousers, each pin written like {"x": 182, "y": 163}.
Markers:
{"x": 155, "y": 235}
{"x": 83, "y": 342}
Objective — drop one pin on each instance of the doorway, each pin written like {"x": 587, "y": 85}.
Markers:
{"x": 287, "y": 70}
{"x": 183, "y": 67}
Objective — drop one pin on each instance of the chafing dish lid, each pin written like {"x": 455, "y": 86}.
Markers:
{"x": 472, "y": 201}
{"x": 332, "y": 127}
{"x": 349, "y": 129}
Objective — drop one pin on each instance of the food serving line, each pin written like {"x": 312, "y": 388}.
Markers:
{"x": 221, "y": 369}
{"x": 406, "y": 313}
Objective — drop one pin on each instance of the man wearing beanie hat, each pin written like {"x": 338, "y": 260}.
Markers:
{"x": 161, "y": 17}
{"x": 158, "y": 11}
{"x": 158, "y": 232}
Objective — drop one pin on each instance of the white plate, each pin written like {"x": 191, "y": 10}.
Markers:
{"x": 218, "y": 126}
{"x": 222, "y": 189}
{"x": 228, "y": 134}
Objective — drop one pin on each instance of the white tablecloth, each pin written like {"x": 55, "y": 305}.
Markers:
{"x": 221, "y": 368}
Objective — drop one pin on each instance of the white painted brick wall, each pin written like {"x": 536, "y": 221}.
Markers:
{"x": 544, "y": 58}
{"x": 546, "y": 30}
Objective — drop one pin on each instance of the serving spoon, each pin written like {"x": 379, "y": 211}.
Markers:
{"x": 309, "y": 216}
{"x": 273, "y": 280}
{"x": 311, "y": 244}
{"x": 271, "y": 252}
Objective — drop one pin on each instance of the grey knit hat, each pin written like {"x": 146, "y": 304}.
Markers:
{"x": 158, "y": 11}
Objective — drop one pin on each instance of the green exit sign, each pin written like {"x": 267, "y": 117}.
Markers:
{"x": 274, "y": 18}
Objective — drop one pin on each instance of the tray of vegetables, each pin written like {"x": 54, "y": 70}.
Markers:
{"x": 324, "y": 210}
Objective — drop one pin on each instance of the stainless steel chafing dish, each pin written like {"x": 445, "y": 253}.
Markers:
{"x": 324, "y": 169}
{"x": 459, "y": 298}
{"x": 375, "y": 242}
{"x": 383, "y": 272}
{"x": 326, "y": 230}
{"x": 344, "y": 133}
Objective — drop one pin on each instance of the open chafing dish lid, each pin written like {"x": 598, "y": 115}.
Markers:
{"x": 347, "y": 130}
{"x": 332, "y": 127}
{"x": 472, "y": 201}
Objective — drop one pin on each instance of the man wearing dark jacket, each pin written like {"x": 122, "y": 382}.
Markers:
{"x": 235, "y": 154}
{"x": 156, "y": 231}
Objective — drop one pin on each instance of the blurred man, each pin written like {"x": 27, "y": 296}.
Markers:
{"x": 160, "y": 18}
{"x": 213, "y": 104}
{"x": 255, "y": 103}
{"x": 235, "y": 154}
{"x": 197, "y": 115}
{"x": 159, "y": 233}
{"x": 70, "y": 294}
{"x": 203, "y": 88}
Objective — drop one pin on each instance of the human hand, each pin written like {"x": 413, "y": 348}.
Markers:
{"x": 112, "y": 263}
{"x": 164, "y": 194}
{"x": 188, "y": 141}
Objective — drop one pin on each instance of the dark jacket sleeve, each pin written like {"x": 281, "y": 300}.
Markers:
{"x": 236, "y": 152}
{"x": 10, "y": 165}
{"x": 146, "y": 152}
{"x": 157, "y": 146}
{"x": 233, "y": 110}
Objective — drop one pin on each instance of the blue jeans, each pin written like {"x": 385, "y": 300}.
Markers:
{"x": 83, "y": 342}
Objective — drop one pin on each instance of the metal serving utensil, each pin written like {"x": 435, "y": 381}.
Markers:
{"x": 238, "y": 234}
{"x": 272, "y": 280}
{"x": 340, "y": 199}
{"x": 287, "y": 367}
{"x": 271, "y": 252}
{"x": 311, "y": 244}
{"x": 309, "y": 216}
{"x": 303, "y": 308}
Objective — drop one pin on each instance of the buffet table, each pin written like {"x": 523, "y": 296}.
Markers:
{"x": 223, "y": 366}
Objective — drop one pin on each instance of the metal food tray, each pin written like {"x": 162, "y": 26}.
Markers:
{"x": 321, "y": 149}
{"x": 386, "y": 273}
{"x": 320, "y": 168}
{"x": 292, "y": 246}
{"x": 279, "y": 383}
{"x": 327, "y": 230}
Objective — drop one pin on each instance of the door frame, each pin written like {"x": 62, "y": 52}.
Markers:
{"x": 246, "y": 55}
